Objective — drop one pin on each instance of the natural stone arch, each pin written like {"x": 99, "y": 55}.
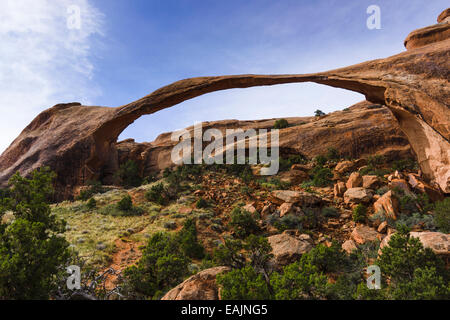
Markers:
{"x": 78, "y": 141}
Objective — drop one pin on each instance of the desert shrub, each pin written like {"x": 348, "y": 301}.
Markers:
{"x": 319, "y": 113}
{"x": 322, "y": 177}
{"x": 300, "y": 280}
{"x": 31, "y": 253}
{"x": 327, "y": 259}
{"x": 158, "y": 194}
{"x": 125, "y": 204}
{"x": 382, "y": 190}
{"x": 229, "y": 254}
{"x": 330, "y": 212}
{"x": 374, "y": 166}
{"x": 94, "y": 187}
{"x": 426, "y": 221}
{"x": 163, "y": 265}
{"x": 409, "y": 204}
{"x": 360, "y": 213}
{"x": 281, "y": 124}
{"x": 405, "y": 165}
{"x": 408, "y": 265}
{"x": 91, "y": 204}
{"x": 320, "y": 160}
{"x": 442, "y": 215}
{"x": 243, "y": 284}
{"x": 287, "y": 222}
{"x": 201, "y": 203}
{"x": 333, "y": 154}
{"x": 376, "y": 160}
{"x": 243, "y": 223}
{"x": 128, "y": 175}
{"x": 310, "y": 218}
{"x": 189, "y": 242}
{"x": 274, "y": 184}
{"x": 286, "y": 163}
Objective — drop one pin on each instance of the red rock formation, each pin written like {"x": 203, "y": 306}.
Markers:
{"x": 78, "y": 142}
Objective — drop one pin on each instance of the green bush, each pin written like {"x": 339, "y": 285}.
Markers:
{"x": 319, "y": 113}
{"x": 128, "y": 175}
{"x": 425, "y": 221}
{"x": 94, "y": 187}
{"x": 360, "y": 213}
{"x": 125, "y": 204}
{"x": 158, "y": 194}
{"x": 414, "y": 272}
{"x": 31, "y": 255}
{"x": 281, "y": 124}
{"x": 243, "y": 223}
{"x": 405, "y": 165}
{"x": 322, "y": 177}
{"x": 201, "y": 203}
{"x": 243, "y": 284}
{"x": 91, "y": 204}
{"x": 298, "y": 281}
{"x": 189, "y": 242}
{"x": 442, "y": 215}
{"x": 163, "y": 265}
{"x": 287, "y": 222}
{"x": 330, "y": 212}
{"x": 333, "y": 154}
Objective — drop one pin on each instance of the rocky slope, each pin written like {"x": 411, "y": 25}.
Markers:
{"x": 79, "y": 142}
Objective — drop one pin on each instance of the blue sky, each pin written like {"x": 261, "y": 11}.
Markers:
{"x": 126, "y": 49}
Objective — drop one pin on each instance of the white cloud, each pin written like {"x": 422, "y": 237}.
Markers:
{"x": 42, "y": 61}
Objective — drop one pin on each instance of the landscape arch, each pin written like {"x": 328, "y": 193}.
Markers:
{"x": 77, "y": 141}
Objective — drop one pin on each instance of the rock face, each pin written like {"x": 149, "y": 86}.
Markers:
{"x": 201, "y": 286}
{"x": 80, "y": 142}
{"x": 287, "y": 249}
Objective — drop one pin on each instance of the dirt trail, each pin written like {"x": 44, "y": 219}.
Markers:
{"x": 127, "y": 254}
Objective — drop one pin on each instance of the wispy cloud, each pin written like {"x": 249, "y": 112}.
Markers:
{"x": 42, "y": 61}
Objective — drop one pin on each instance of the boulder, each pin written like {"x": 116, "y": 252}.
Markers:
{"x": 388, "y": 204}
{"x": 436, "y": 241}
{"x": 296, "y": 197}
{"x": 417, "y": 184}
{"x": 349, "y": 245}
{"x": 287, "y": 248}
{"x": 354, "y": 181}
{"x": 249, "y": 208}
{"x": 294, "y": 176}
{"x": 344, "y": 167}
{"x": 358, "y": 195}
{"x": 402, "y": 185}
{"x": 201, "y": 286}
{"x": 382, "y": 228}
{"x": 371, "y": 182}
{"x": 339, "y": 189}
{"x": 286, "y": 208}
{"x": 362, "y": 234}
